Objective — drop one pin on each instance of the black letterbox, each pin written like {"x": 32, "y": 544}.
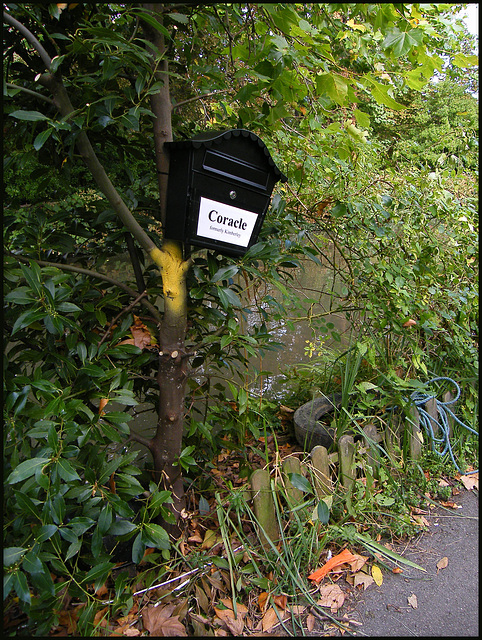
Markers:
{"x": 219, "y": 189}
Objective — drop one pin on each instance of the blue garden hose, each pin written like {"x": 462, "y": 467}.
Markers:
{"x": 426, "y": 420}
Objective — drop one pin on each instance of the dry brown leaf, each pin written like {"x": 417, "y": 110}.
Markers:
{"x": 470, "y": 482}
{"x": 102, "y": 403}
{"x": 450, "y": 504}
{"x": 362, "y": 580}
{"x": 443, "y": 483}
{"x": 412, "y": 601}
{"x": 132, "y": 631}
{"x": 331, "y": 596}
{"x": 297, "y": 609}
{"x": 358, "y": 563}
{"x": 69, "y": 619}
{"x": 195, "y": 538}
{"x": 159, "y": 621}
{"x": 310, "y": 622}
{"x": 397, "y": 570}
{"x": 270, "y": 619}
{"x": 202, "y": 599}
{"x": 263, "y": 600}
{"x": 281, "y": 601}
{"x": 235, "y": 625}
{"x": 442, "y": 563}
{"x": 209, "y": 539}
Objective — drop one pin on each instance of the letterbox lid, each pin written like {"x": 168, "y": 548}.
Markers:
{"x": 207, "y": 139}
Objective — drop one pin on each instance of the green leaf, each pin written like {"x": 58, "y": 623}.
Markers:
{"x": 73, "y": 549}
{"x": 32, "y": 116}
{"x": 228, "y": 298}
{"x": 21, "y": 587}
{"x": 66, "y": 471}
{"x": 27, "y": 318}
{"x": 92, "y": 370}
{"x": 99, "y": 574}
{"x": 138, "y": 549}
{"x": 463, "y": 61}
{"x": 300, "y": 482}
{"x": 11, "y": 555}
{"x": 362, "y": 118}
{"x": 121, "y": 527}
{"x": 179, "y": 17}
{"x": 32, "y": 563}
{"x": 21, "y": 295}
{"x": 323, "y": 512}
{"x": 68, "y": 307}
{"x": 225, "y": 273}
{"x": 105, "y": 518}
{"x": 157, "y": 536}
{"x": 380, "y": 93}
{"x": 402, "y": 42}
{"x": 333, "y": 85}
{"x": 45, "y": 532}
{"x": 41, "y": 139}
{"x": 27, "y": 504}
{"x": 26, "y": 469}
{"x": 242, "y": 401}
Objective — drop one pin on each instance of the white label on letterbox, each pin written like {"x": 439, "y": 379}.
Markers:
{"x": 223, "y": 222}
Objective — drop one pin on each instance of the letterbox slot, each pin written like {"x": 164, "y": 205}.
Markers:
{"x": 234, "y": 169}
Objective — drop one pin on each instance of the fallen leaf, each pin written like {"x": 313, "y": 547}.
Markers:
{"x": 443, "y": 483}
{"x": 412, "y": 601}
{"x": 362, "y": 579}
{"x": 132, "y": 632}
{"x": 281, "y": 601}
{"x": 470, "y": 482}
{"x": 310, "y": 622}
{"x": 331, "y": 596}
{"x": 263, "y": 600}
{"x": 442, "y": 563}
{"x": 196, "y": 537}
{"x": 358, "y": 563}
{"x": 209, "y": 539}
{"x": 341, "y": 558}
{"x": 69, "y": 619}
{"x": 297, "y": 609}
{"x": 99, "y": 616}
{"x": 377, "y": 575}
{"x": 397, "y": 570}
{"x": 450, "y": 504}
{"x": 270, "y": 619}
{"x": 160, "y": 622}
{"x": 235, "y": 625}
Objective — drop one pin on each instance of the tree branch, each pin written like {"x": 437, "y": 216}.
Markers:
{"x": 94, "y": 274}
{"x": 63, "y": 104}
{"x": 28, "y": 35}
{"x": 30, "y": 92}
{"x": 160, "y": 105}
{"x": 206, "y": 95}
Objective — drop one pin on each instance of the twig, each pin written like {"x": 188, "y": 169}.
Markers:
{"x": 30, "y": 92}
{"x": 205, "y": 95}
{"x": 93, "y": 274}
{"x": 122, "y": 312}
{"x": 28, "y": 35}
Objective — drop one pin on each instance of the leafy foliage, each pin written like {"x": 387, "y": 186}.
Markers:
{"x": 342, "y": 96}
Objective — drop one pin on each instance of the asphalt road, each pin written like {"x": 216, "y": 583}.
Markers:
{"x": 447, "y": 599}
